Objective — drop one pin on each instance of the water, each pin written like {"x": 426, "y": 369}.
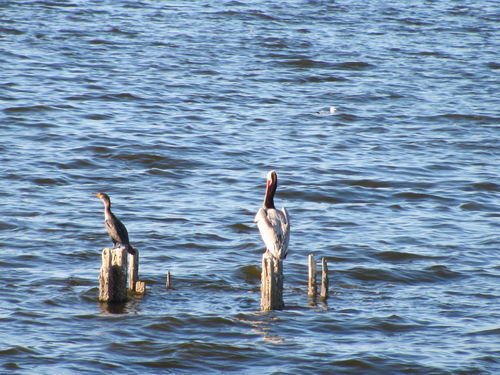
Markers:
{"x": 177, "y": 110}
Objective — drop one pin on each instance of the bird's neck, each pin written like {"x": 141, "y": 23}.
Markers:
{"x": 107, "y": 210}
{"x": 269, "y": 197}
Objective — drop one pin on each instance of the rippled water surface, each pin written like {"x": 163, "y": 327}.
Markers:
{"x": 177, "y": 110}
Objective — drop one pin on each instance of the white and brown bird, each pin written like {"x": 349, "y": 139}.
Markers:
{"x": 274, "y": 225}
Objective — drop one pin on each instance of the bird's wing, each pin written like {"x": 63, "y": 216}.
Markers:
{"x": 285, "y": 228}
{"x": 274, "y": 230}
{"x": 117, "y": 230}
{"x": 261, "y": 215}
{"x": 111, "y": 230}
{"x": 267, "y": 231}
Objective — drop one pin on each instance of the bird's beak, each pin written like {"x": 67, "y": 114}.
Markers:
{"x": 98, "y": 195}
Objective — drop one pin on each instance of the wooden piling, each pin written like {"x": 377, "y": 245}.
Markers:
{"x": 133, "y": 271}
{"x": 324, "y": 279}
{"x": 271, "y": 283}
{"x": 113, "y": 275}
{"x": 140, "y": 287}
{"x": 312, "y": 280}
{"x": 167, "y": 284}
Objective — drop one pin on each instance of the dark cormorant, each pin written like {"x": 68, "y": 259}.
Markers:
{"x": 274, "y": 225}
{"x": 115, "y": 227}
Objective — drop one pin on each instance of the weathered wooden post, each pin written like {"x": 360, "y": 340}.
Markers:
{"x": 134, "y": 285}
{"x": 133, "y": 270}
{"x": 113, "y": 275}
{"x": 271, "y": 283}
{"x": 140, "y": 287}
{"x": 312, "y": 280}
{"x": 168, "y": 284}
{"x": 324, "y": 279}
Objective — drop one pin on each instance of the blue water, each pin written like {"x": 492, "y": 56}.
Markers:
{"x": 177, "y": 110}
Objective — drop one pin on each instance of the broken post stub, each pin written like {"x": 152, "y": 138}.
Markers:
{"x": 324, "y": 279}
{"x": 312, "y": 283}
{"x": 140, "y": 287}
{"x": 133, "y": 270}
{"x": 271, "y": 284}
{"x": 113, "y": 275}
{"x": 168, "y": 284}
{"x": 134, "y": 285}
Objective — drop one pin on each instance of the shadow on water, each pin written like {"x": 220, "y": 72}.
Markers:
{"x": 113, "y": 308}
{"x": 318, "y": 302}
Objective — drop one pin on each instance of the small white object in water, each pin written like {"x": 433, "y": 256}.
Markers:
{"x": 331, "y": 111}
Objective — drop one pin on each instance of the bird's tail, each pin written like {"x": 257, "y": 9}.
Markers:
{"x": 130, "y": 249}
